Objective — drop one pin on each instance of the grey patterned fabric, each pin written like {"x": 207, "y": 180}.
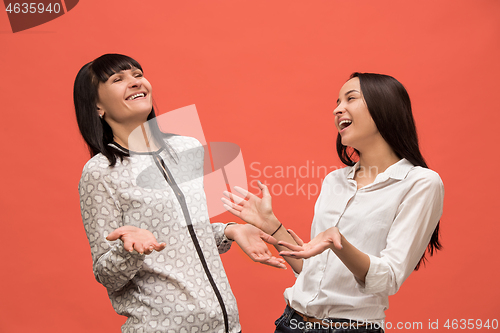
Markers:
{"x": 166, "y": 291}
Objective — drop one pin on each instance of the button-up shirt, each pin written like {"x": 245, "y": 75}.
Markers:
{"x": 390, "y": 220}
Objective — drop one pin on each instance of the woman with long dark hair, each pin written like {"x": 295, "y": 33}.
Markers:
{"x": 373, "y": 219}
{"x": 144, "y": 210}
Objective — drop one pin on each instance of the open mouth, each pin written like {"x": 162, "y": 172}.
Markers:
{"x": 135, "y": 96}
{"x": 344, "y": 124}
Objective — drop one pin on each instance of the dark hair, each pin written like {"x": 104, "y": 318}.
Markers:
{"x": 95, "y": 131}
{"x": 389, "y": 105}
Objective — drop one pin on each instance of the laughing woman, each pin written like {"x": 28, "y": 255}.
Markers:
{"x": 145, "y": 213}
{"x": 373, "y": 219}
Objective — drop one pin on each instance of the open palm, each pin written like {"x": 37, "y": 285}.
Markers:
{"x": 323, "y": 241}
{"x": 250, "y": 208}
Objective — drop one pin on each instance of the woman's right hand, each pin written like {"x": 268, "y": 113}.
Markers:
{"x": 133, "y": 238}
{"x": 252, "y": 209}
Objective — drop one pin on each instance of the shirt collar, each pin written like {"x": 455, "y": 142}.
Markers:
{"x": 398, "y": 170}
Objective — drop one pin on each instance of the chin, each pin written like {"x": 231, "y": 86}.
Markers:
{"x": 345, "y": 141}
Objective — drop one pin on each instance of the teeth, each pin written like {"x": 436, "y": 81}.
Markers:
{"x": 344, "y": 123}
{"x": 135, "y": 96}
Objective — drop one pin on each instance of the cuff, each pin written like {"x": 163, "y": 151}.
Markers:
{"x": 223, "y": 243}
{"x": 376, "y": 278}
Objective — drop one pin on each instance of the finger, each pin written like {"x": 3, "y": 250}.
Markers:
{"x": 275, "y": 262}
{"x": 290, "y": 246}
{"x": 159, "y": 247}
{"x": 264, "y": 189}
{"x": 293, "y": 254}
{"x": 247, "y": 195}
{"x": 234, "y": 197}
{"x": 232, "y": 205}
{"x": 231, "y": 210}
{"x": 295, "y": 237}
{"x": 150, "y": 249}
{"x": 337, "y": 241}
{"x": 268, "y": 239}
{"x": 260, "y": 256}
{"x": 128, "y": 246}
{"x": 114, "y": 235}
{"x": 139, "y": 248}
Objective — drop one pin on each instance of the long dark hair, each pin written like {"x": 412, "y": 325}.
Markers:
{"x": 389, "y": 105}
{"x": 95, "y": 131}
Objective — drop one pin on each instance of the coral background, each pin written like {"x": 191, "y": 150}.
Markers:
{"x": 264, "y": 74}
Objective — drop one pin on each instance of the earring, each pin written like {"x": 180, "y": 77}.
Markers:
{"x": 101, "y": 115}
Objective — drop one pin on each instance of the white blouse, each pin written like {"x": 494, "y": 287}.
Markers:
{"x": 391, "y": 220}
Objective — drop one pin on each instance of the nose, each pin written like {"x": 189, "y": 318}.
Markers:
{"x": 134, "y": 82}
{"x": 338, "y": 110}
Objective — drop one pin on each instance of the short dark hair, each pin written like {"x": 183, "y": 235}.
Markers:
{"x": 95, "y": 131}
{"x": 390, "y": 108}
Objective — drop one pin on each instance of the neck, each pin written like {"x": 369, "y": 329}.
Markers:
{"x": 135, "y": 138}
{"x": 379, "y": 156}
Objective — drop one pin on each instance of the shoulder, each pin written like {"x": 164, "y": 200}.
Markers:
{"x": 98, "y": 167}
{"x": 423, "y": 180}
{"x": 97, "y": 163}
{"x": 424, "y": 175}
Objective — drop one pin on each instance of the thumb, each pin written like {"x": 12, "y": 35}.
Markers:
{"x": 295, "y": 237}
{"x": 337, "y": 240}
{"x": 114, "y": 235}
{"x": 264, "y": 189}
{"x": 159, "y": 246}
{"x": 268, "y": 239}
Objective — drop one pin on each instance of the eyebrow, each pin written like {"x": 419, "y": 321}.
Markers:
{"x": 347, "y": 93}
{"x": 133, "y": 69}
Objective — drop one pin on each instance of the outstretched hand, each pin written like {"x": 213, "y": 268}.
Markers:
{"x": 250, "y": 208}
{"x": 328, "y": 239}
{"x": 133, "y": 238}
{"x": 253, "y": 242}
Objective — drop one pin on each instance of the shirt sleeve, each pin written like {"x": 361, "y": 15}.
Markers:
{"x": 223, "y": 243}
{"x": 113, "y": 266}
{"x": 410, "y": 233}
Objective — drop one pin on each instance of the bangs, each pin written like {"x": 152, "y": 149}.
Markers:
{"x": 109, "y": 64}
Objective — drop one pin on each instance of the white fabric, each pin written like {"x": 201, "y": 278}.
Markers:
{"x": 391, "y": 220}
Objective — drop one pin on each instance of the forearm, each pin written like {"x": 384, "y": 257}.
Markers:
{"x": 275, "y": 228}
{"x": 355, "y": 260}
{"x": 283, "y": 235}
{"x": 115, "y": 268}
{"x": 251, "y": 240}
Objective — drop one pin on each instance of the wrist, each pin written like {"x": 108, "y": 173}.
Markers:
{"x": 230, "y": 230}
{"x": 334, "y": 248}
{"x": 272, "y": 225}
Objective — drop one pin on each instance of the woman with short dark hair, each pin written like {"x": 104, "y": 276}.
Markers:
{"x": 145, "y": 213}
{"x": 373, "y": 219}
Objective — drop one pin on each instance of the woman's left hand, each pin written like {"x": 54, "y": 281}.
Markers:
{"x": 328, "y": 239}
{"x": 253, "y": 241}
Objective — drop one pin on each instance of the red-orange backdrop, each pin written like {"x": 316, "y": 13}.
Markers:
{"x": 264, "y": 74}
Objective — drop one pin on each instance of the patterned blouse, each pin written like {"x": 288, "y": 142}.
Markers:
{"x": 182, "y": 288}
